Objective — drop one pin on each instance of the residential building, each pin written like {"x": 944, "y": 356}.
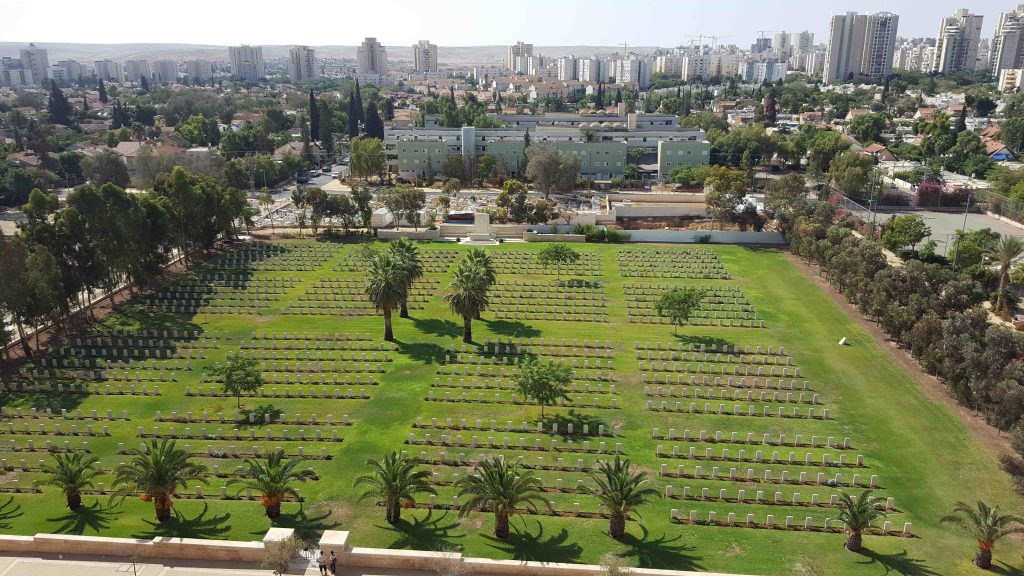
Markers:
{"x": 761, "y": 45}
{"x": 135, "y": 70}
{"x": 198, "y": 70}
{"x": 860, "y": 44}
{"x": 109, "y": 70}
{"x": 302, "y": 64}
{"x": 486, "y": 73}
{"x": 603, "y": 144}
{"x": 758, "y": 72}
{"x": 803, "y": 42}
{"x": 633, "y": 69}
{"x": 782, "y": 43}
{"x": 984, "y": 55}
{"x": 914, "y": 55}
{"x": 165, "y": 71}
{"x": 371, "y": 58}
{"x": 956, "y": 48}
{"x": 247, "y": 63}
{"x": 13, "y": 74}
{"x": 1011, "y": 79}
{"x": 516, "y": 57}
{"x": 71, "y": 70}
{"x": 1008, "y": 43}
{"x": 591, "y": 69}
{"x": 534, "y": 65}
{"x": 36, "y": 60}
{"x": 566, "y": 68}
{"x": 424, "y": 56}
{"x": 669, "y": 65}
{"x": 714, "y": 65}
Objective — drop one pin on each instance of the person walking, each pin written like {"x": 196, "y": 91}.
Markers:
{"x": 321, "y": 563}
{"x": 333, "y": 563}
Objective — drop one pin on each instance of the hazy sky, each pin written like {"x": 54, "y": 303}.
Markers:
{"x": 452, "y": 22}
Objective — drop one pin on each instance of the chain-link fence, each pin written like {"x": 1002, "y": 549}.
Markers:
{"x": 1003, "y": 206}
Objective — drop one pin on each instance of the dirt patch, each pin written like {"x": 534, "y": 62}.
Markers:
{"x": 933, "y": 389}
{"x": 734, "y": 550}
{"x": 471, "y": 523}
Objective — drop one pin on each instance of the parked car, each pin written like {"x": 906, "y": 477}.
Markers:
{"x": 313, "y": 173}
{"x": 326, "y": 169}
{"x": 302, "y": 180}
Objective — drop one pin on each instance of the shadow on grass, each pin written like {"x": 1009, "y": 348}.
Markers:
{"x": 512, "y": 328}
{"x": 438, "y": 327}
{"x": 577, "y": 419}
{"x": 258, "y": 415}
{"x": 536, "y": 547}
{"x": 1004, "y": 568}
{"x": 897, "y": 563}
{"x": 662, "y": 552}
{"x": 308, "y": 525}
{"x": 43, "y": 400}
{"x": 431, "y": 531}
{"x": 9, "y": 511}
{"x": 422, "y": 352}
{"x": 93, "y": 517}
{"x": 200, "y": 526}
{"x": 707, "y": 341}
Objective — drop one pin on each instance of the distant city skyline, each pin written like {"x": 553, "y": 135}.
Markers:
{"x": 461, "y": 22}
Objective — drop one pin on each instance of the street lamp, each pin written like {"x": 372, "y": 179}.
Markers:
{"x": 963, "y": 230}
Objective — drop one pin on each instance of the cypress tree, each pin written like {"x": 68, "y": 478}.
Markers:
{"x": 314, "y": 116}
{"x": 599, "y": 97}
{"x": 374, "y": 124}
{"x": 144, "y": 83}
{"x": 58, "y": 105}
{"x": 389, "y": 109}
{"x": 961, "y": 121}
{"x": 618, "y": 96}
{"x": 103, "y": 92}
{"x": 85, "y": 104}
{"x": 353, "y": 117}
{"x": 359, "y": 103}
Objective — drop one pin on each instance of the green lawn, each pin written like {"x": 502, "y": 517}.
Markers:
{"x": 923, "y": 456}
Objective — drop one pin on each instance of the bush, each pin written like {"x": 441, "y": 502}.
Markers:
{"x": 616, "y": 236}
{"x": 702, "y": 239}
{"x": 597, "y": 234}
{"x": 1017, "y": 439}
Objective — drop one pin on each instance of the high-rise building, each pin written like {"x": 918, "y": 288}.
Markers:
{"x": 71, "y": 69}
{"x": 633, "y": 69}
{"x": 247, "y": 63}
{"x": 372, "y": 58}
{"x": 860, "y": 44}
{"x": 135, "y": 70}
{"x": 782, "y": 43}
{"x": 566, "y": 68}
{"x": 984, "y": 55}
{"x": 109, "y": 70}
{"x": 36, "y": 60}
{"x": 1008, "y": 44}
{"x": 424, "y": 56}
{"x": 198, "y": 70}
{"x": 302, "y": 64}
{"x": 716, "y": 64}
{"x": 669, "y": 64}
{"x": 13, "y": 73}
{"x": 956, "y": 47}
{"x": 165, "y": 71}
{"x": 591, "y": 70}
{"x": 761, "y": 45}
{"x": 803, "y": 41}
{"x": 517, "y": 55}
{"x": 757, "y": 72}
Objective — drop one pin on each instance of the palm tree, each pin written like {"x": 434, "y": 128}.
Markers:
{"x": 467, "y": 296}
{"x": 408, "y": 257}
{"x": 395, "y": 481}
{"x": 299, "y": 200}
{"x": 858, "y": 514}
{"x": 385, "y": 285}
{"x": 273, "y": 480}
{"x": 1007, "y": 251}
{"x": 481, "y": 259}
{"x": 986, "y": 525}
{"x": 71, "y": 472}
{"x": 267, "y": 202}
{"x": 620, "y": 490}
{"x": 498, "y": 486}
{"x": 156, "y": 474}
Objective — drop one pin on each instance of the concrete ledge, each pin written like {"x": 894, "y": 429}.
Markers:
{"x": 540, "y": 237}
{"x": 386, "y": 234}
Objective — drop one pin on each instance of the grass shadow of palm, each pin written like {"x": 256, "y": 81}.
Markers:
{"x": 512, "y": 328}
{"x": 536, "y": 547}
{"x": 431, "y": 531}
{"x": 577, "y": 419}
{"x": 661, "y": 552}
{"x": 896, "y": 563}
{"x": 437, "y": 327}
{"x": 93, "y": 517}
{"x": 308, "y": 525}
{"x": 421, "y": 352}
{"x": 9, "y": 511}
{"x": 199, "y": 526}
{"x": 707, "y": 341}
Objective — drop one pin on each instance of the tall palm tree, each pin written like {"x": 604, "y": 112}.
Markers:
{"x": 480, "y": 258}
{"x": 986, "y": 525}
{"x": 273, "y": 480}
{"x": 498, "y": 486}
{"x": 1007, "y": 251}
{"x": 385, "y": 285}
{"x": 71, "y": 473}
{"x": 396, "y": 481}
{"x": 621, "y": 490}
{"x": 156, "y": 474}
{"x": 467, "y": 296}
{"x": 408, "y": 257}
{"x": 858, "y": 514}
{"x": 299, "y": 200}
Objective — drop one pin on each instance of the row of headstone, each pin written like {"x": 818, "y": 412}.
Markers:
{"x": 498, "y": 384}
{"x": 252, "y": 418}
{"x": 719, "y": 437}
{"x": 47, "y": 413}
{"x": 218, "y": 434}
{"x": 749, "y": 395}
{"x": 742, "y": 496}
{"x": 808, "y": 525}
{"x": 734, "y": 369}
{"x": 507, "y": 443}
{"x": 728, "y": 381}
{"x": 211, "y": 392}
{"x": 733, "y": 474}
{"x": 568, "y": 429}
{"x": 513, "y": 399}
{"x": 489, "y": 372}
{"x": 737, "y": 410}
{"x": 775, "y": 457}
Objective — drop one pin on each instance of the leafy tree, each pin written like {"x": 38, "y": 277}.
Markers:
{"x": 1007, "y": 251}
{"x": 70, "y": 472}
{"x": 867, "y": 128}
{"x": 386, "y": 287}
{"x": 500, "y": 487}
{"x": 453, "y": 167}
{"x": 544, "y": 382}
{"x": 851, "y": 172}
{"x": 969, "y": 248}
{"x": 986, "y": 525}
{"x": 690, "y": 176}
{"x": 858, "y": 514}
{"x": 621, "y": 491}
{"x": 408, "y": 257}
{"x": 725, "y": 189}
{"x": 200, "y": 130}
{"x": 786, "y": 195}
{"x": 467, "y": 295}
{"x": 267, "y": 203}
{"x": 273, "y": 480}
{"x": 903, "y": 231}
{"x": 241, "y": 375}
{"x": 104, "y": 167}
{"x": 395, "y": 481}
{"x": 367, "y": 157}
{"x": 156, "y": 474}
{"x": 557, "y": 255}
{"x": 679, "y": 304}
{"x": 362, "y": 197}
{"x": 551, "y": 170}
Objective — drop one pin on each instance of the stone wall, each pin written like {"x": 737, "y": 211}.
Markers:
{"x": 161, "y": 547}
{"x": 422, "y": 234}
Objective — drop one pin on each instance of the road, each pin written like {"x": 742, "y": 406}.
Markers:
{"x": 322, "y": 179}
